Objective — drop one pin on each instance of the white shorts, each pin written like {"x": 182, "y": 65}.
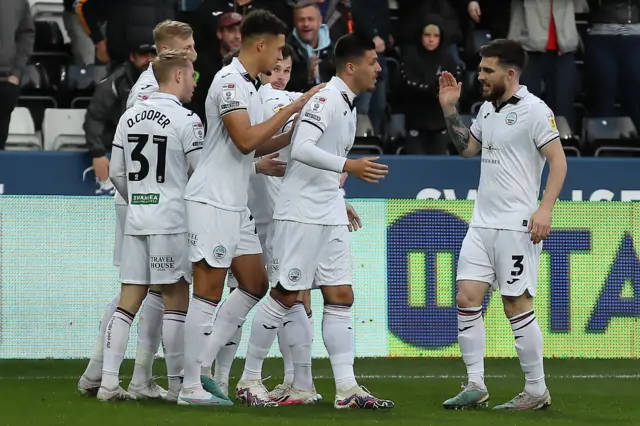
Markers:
{"x": 506, "y": 260}
{"x": 218, "y": 235}
{"x": 267, "y": 231}
{"x": 307, "y": 255}
{"x": 121, "y": 218}
{"x": 155, "y": 259}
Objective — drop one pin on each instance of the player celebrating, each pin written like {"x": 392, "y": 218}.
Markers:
{"x": 166, "y": 35}
{"x": 515, "y": 131}
{"x": 311, "y": 238}
{"x": 221, "y": 228}
{"x": 159, "y": 142}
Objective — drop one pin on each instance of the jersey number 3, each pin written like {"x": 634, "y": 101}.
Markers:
{"x": 136, "y": 155}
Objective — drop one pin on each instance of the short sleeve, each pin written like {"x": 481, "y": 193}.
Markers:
{"x": 317, "y": 111}
{"x": 542, "y": 124}
{"x": 230, "y": 95}
{"x": 192, "y": 134}
{"x": 476, "y": 125}
{"x": 273, "y": 106}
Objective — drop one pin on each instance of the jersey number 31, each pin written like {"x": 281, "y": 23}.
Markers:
{"x": 136, "y": 155}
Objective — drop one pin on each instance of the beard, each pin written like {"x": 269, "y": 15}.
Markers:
{"x": 497, "y": 91}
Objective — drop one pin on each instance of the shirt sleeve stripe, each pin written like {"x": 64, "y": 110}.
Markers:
{"x": 233, "y": 110}
{"x": 474, "y": 136}
{"x": 549, "y": 141}
{"x": 193, "y": 149}
{"x": 313, "y": 124}
{"x": 118, "y": 146}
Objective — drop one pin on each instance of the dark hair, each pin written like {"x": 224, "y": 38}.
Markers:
{"x": 261, "y": 22}
{"x": 229, "y": 57}
{"x": 508, "y": 52}
{"x": 287, "y": 51}
{"x": 303, "y": 4}
{"x": 351, "y": 47}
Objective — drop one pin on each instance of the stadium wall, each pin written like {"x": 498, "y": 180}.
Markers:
{"x": 56, "y": 278}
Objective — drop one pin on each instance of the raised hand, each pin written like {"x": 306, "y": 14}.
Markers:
{"x": 449, "y": 90}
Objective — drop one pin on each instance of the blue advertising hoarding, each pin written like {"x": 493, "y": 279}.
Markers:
{"x": 421, "y": 177}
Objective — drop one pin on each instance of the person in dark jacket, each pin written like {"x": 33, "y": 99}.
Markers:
{"x": 421, "y": 66}
{"x": 336, "y": 14}
{"x": 411, "y": 15}
{"x": 612, "y": 57}
{"x": 210, "y": 11}
{"x": 108, "y": 103}
{"x": 128, "y": 23}
{"x": 371, "y": 20}
{"x": 312, "y": 48}
{"x": 492, "y": 15}
{"x": 17, "y": 36}
{"x": 209, "y": 62}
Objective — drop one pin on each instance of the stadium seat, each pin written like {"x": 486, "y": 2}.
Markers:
{"x": 79, "y": 83}
{"x": 366, "y": 141}
{"x": 22, "y": 132}
{"x": 62, "y": 129}
{"x": 570, "y": 143}
{"x": 480, "y": 38}
{"x": 36, "y": 93}
{"x": 612, "y": 134}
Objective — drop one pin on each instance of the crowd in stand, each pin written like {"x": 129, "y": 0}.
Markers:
{"x": 584, "y": 56}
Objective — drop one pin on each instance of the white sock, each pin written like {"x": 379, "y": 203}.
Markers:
{"x": 471, "y": 338}
{"x": 263, "y": 332}
{"x": 94, "y": 369}
{"x": 337, "y": 332}
{"x": 528, "y": 336}
{"x": 300, "y": 337}
{"x": 231, "y": 315}
{"x": 285, "y": 349}
{"x": 225, "y": 358}
{"x": 149, "y": 337}
{"x": 115, "y": 345}
{"x": 197, "y": 329}
{"x": 173, "y": 346}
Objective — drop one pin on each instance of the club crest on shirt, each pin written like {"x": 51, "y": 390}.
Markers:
{"x": 552, "y": 121}
{"x": 511, "y": 118}
{"x": 228, "y": 92}
{"x": 317, "y": 104}
{"x": 294, "y": 275}
{"x": 198, "y": 130}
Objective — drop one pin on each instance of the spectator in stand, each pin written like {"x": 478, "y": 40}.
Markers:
{"x": 547, "y": 31}
{"x": 612, "y": 57}
{"x": 371, "y": 19}
{"x": 421, "y": 68}
{"x": 491, "y": 15}
{"x": 336, "y": 15}
{"x": 210, "y": 11}
{"x": 84, "y": 53}
{"x": 312, "y": 48}
{"x": 209, "y": 62}
{"x": 17, "y": 35}
{"x": 108, "y": 103}
{"x": 412, "y": 13}
{"x": 128, "y": 23}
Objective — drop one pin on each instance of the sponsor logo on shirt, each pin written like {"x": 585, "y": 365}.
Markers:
{"x": 228, "y": 92}
{"x": 230, "y": 105}
{"x": 313, "y": 116}
{"x": 317, "y": 104}
{"x": 145, "y": 199}
{"x": 198, "y": 131}
{"x": 552, "y": 121}
{"x": 278, "y": 108}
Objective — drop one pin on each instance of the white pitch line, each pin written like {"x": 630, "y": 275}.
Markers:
{"x": 387, "y": 377}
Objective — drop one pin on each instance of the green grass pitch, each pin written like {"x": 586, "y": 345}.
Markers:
{"x": 584, "y": 392}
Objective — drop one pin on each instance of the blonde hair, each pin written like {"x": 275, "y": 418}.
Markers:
{"x": 166, "y": 30}
{"x": 166, "y": 63}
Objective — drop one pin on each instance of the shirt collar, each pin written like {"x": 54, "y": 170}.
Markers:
{"x": 347, "y": 94}
{"x": 513, "y": 100}
{"x": 169, "y": 96}
{"x": 243, "y": 71}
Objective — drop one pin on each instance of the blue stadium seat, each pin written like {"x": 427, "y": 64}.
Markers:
{"x": 611, "y": 135}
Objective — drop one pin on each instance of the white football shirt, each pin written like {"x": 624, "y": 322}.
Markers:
{"x": 309, "y": 194}
{"x": 223, "y": 178}
{"x": 511, "y": 137}
{"x": 144, "y": 87}
{"x": 264, "y": 189}
{"x": 156, "y": 136}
